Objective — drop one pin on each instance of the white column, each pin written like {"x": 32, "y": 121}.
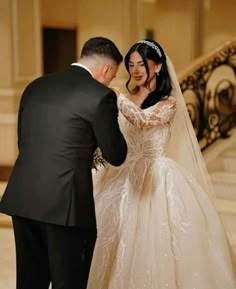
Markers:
{"x": 20, "y": 58}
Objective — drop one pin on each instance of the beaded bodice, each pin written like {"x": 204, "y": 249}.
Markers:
{"x": 146, "y": 131}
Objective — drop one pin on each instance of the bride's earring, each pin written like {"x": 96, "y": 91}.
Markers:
{"x": 158, "y": 68}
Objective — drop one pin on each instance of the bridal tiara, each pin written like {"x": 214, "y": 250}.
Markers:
{"x": 152, "y": 45}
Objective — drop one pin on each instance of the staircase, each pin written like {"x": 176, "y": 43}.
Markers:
{"x": 221, "y": 163}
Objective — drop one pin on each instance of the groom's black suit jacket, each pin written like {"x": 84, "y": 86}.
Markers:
{"x": 63, "y": 117}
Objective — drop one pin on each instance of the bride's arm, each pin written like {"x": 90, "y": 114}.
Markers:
{"x": 159, "y": 114}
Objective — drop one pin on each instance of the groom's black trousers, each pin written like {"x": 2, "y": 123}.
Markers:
{"x": 50, "y": 253}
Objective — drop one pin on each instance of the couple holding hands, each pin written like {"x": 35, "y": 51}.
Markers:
{"x": 146, "y": 219}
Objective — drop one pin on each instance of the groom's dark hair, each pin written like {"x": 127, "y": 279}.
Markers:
{"x": 102, "y": 47}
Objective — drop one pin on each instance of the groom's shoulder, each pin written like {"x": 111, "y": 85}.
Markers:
{"x": 100, "y": 86}
{"x": 97, "y": 88}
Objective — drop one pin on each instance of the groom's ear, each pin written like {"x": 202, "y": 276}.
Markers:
{"x": 106, "y": 68}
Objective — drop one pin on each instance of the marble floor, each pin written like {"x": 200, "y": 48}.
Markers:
{"x": 7, "y": 259}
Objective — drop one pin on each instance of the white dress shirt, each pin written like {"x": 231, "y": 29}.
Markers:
{"x": 83, "y": 66}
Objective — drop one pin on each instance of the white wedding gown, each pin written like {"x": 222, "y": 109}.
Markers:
{"x": 157, "y": 229}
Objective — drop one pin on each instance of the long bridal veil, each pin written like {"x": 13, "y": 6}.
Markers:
{"x": 183, "y": 145}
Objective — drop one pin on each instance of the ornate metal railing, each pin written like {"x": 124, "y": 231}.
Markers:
{"x": 209, "y": 88}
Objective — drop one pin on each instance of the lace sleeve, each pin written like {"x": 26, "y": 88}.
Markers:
{"x": 158, "y": 114}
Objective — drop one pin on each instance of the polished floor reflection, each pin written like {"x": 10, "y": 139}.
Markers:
{"x": 7, "y": 259}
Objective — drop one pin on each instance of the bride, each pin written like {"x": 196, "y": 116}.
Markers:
{"x": 157, "y": 225}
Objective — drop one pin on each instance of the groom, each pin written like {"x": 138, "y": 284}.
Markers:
{"x": 63, "y": 117}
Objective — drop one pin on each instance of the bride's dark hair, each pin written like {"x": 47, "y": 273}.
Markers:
{"x": 154, "y": 52}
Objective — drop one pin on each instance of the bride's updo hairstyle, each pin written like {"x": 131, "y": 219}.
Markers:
{"x": 150, "y": 49}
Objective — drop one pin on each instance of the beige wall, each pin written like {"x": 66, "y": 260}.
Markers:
{"x": 219, "y": 23}
{"x": 5, "y": 47}
{"x": 7, "y": 94}
{"x": 26, "y": 40}
{"x": 117, "y": 20}
{"x": 20, "y": 58}
{"x": 20, "y": 50}
{"x": 21, "y": 55}
{"x": 59, "y": 12}
{"x": 188, "y": 29}
{"x": 175, "y": 26}
{"x": 185, "y": 28}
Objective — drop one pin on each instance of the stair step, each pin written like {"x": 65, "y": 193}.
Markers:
{"x": 232, "y": 239}
{"x": 226, "y": 206}
{"x": 224, "y": 184}
{"x": 229, "y": 160}
{"x": 227, "y": 211}
{"x": 231, "y": 151}
{"x": 220, "y": 158}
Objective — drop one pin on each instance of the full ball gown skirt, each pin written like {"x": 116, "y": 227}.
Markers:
{"x": 157, "y": 228}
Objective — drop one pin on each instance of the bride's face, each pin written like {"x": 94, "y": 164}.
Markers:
{"x": 138, "y": 70}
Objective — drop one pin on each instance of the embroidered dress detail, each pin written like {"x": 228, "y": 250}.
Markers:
{"x": 157, "y": 228}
